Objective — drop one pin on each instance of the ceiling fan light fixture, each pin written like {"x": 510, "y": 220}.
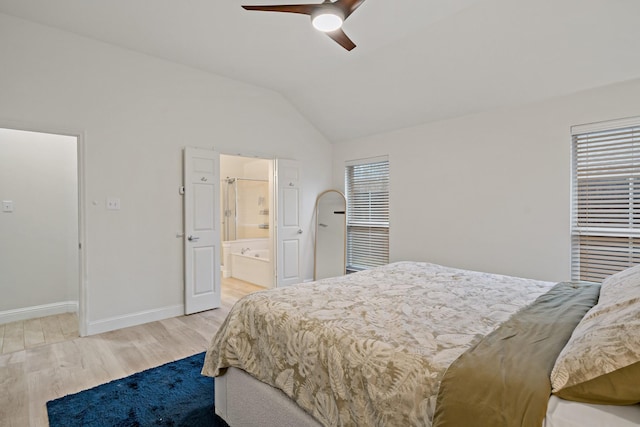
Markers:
{"x": 327, "y": 16}
{"x": 327, "y": 20}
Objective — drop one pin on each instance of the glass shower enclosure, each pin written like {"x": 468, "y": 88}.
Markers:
{"x": 245, "y": 209}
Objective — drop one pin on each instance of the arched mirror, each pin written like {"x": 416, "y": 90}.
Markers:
{"x": 331, "y": 235}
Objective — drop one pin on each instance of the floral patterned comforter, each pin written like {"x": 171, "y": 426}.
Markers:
{"x": 369, "y": 348}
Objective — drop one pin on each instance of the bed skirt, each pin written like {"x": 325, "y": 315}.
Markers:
{"x": 241, "y": 400}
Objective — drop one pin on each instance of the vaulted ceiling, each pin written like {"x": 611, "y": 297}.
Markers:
{"x": 416, "y": 61}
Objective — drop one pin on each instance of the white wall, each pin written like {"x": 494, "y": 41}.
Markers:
{"x": 39, "y": 243}
{"x": 491, "y": 191}
{"x": 135, "y": 113}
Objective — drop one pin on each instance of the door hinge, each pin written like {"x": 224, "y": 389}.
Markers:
{"x": 181, "y": 190}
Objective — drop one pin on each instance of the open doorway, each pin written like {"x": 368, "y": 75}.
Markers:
{"x": 247, "y": 211}
{"x": 39, "y": 224}
{"x": 246, "y": 216}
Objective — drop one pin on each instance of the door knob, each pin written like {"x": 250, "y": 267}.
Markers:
{"x": 300, "y": 231}
{"x": 193, "y": 238}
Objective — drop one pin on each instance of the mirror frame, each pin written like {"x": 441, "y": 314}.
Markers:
{"x": 315, "y": 237}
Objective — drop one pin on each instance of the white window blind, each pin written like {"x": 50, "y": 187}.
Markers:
{"x": 367, "y": 184}
{"x": 606, "y": 199}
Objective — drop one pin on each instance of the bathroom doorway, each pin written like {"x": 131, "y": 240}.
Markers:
{"x": 247, "y": 206}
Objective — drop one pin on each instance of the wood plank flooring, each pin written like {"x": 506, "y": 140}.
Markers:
{"x": 39, "y": 371}
{"x": 31, "y": 333}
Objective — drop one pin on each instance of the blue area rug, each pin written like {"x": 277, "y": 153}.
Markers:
{"x": 175, "y": 394}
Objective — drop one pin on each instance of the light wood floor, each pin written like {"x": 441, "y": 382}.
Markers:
{"x": 33, "y": 375}
{"x": 32, "y": 333}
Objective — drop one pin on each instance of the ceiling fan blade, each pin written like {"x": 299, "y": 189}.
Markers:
{"x": 348, "y": 6}
{"x": 305, "y": 9}
{"x": 342, "y": 39}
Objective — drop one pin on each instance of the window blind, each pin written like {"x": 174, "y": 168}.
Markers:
{"x": 606, "y": 199}
{"x": 367, "y": 187}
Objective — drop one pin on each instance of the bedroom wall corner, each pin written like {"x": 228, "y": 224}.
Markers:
{"x": 136, "y": 113}
{"x": 489, "y": 191}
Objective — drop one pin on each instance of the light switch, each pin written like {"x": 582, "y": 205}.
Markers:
{"x": 113, "y": 204}
{"x": 7, "y": 206}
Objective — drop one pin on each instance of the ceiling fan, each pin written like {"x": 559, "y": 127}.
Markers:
{"x": 327, "y": 16}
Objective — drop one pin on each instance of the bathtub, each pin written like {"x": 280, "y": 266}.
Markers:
{"x": 253, "y": 266}
{"x": 263, "y": 254}
{"x": 234, "y": 246}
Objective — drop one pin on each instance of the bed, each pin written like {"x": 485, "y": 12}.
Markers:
{"x": 422, "y": 344}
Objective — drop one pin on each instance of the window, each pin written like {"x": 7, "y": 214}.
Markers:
{"x": 605, "y": 220}
{"x": 367, "y": 184}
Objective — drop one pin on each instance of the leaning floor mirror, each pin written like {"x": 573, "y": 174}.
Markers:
{"x": 331, "y": 233}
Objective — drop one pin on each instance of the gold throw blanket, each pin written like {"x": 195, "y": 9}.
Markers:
{"x": 504, "y": 379}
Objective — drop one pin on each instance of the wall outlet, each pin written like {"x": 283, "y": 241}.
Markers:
{"x": 7, "y": 206}
{"x": 113, "y": 204}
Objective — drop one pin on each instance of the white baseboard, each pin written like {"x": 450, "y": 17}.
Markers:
{"x": 36, "y": 311}
{"x": 134, "y": 319}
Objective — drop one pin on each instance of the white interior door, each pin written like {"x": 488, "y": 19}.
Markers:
{"x": 201, "y": 230}
{"x": 289, "y": 229}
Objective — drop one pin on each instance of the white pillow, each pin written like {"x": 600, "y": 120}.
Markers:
{"x": 601, "y": 362}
